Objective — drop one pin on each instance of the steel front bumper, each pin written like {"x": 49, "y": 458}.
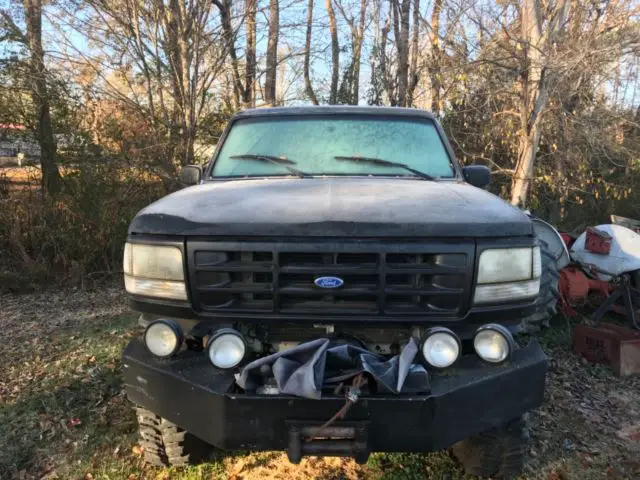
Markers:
{"x": 464, "y": 400}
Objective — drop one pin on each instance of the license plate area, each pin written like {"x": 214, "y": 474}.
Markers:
{"x": 340, "y": 439}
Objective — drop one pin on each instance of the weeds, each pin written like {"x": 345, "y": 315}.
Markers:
{"x": 76, "y": 237}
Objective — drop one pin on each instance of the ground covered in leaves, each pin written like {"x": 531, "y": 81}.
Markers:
{"x": 63, "y": 414}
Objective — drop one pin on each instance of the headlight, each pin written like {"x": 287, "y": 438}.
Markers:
{"x": 226, "y": 349}
{"x": 506, "y": 292}
{"x": 508, "y": 274}
{"x": 505, "y": 265}
{"x": 154, "y": 271}
{"x": 163, "y": 338}
{"x": 493, "y": 343}
{"x": 441, "y": 347}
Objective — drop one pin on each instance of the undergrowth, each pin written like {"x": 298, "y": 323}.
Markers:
{"x": 76, "y": 237}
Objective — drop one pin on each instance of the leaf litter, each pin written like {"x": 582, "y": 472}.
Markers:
{"x": 63, "y": 413}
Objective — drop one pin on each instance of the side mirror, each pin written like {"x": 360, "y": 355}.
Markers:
{"x": 190, "y": 175}
{"x": 477, "y": 175}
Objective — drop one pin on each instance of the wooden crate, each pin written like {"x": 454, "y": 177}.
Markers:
{"x": 610, "y": 344}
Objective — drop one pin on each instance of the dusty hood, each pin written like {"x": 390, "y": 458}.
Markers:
{"x": 333, "y": 207}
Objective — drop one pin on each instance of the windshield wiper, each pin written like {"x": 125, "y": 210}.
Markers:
{"x": 282, "y": 161}
{"x": 387, "y": 163}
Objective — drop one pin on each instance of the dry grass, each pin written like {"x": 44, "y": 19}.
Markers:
{"x": 30, "y": 174}
{"x": 76, "y": 237}
{"x": 63, "y": 414}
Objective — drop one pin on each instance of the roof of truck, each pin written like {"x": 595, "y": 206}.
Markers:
{"x": 336, "y": 110}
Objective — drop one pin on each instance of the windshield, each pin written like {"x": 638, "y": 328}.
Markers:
{"x": 313, "y": 142}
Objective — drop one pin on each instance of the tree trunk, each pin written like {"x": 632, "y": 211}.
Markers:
{"x": 413, "y": 67}
{"x": 307, "y": 56}
{"x": 436, "y": 57}
{"x": 401, "y": 10}
{"x": 335, "y": 53}
{"x": 229, "y": 43}
{"x": 384, "y": 69}
{"x": 272, "y": 54}
{"x": 527, "y": 150}
{"x": 250, "y": 72}
{"x": 179, "y": 62}
{"x": 534, "y": 89}
{"x": 376, "y": 79}
{"x": 529, "y": 92}
{"x": 51, "y": 181}
{"x": 357, "y": 53}
{"x": 186, "y": 100}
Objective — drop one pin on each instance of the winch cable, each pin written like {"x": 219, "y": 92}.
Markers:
{"x": 351, "y": 397}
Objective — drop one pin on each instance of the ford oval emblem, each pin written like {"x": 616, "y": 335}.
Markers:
{"x": 328, "y": 282}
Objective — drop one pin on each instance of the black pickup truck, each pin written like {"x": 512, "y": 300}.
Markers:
{"x": 335, "y": 283}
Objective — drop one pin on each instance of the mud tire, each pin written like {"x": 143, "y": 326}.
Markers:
{"x": 497, "y": 453}
{"x": 546, "y": 306}
{"x": 165, "y": 444}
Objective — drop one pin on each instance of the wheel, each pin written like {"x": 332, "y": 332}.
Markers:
{"x": 499, "y": 452}
{"x": 549, "y": 293}
{"x": 166, "y": 444}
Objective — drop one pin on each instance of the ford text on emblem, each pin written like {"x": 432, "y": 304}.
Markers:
{"x": 328, "y": 282}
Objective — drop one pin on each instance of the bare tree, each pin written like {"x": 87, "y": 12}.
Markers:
{"x": 335, "y": 52}
{"x": 435, "y": 59}
{"x": 228, "y": 35}
{"x": 414, "y": 53}
{"x": 386, "y": 76}
{"x": 243, "y": 92}
{"x": 172, "y": 46}
{"x": 394, "y": 65}
{"x": 250, "y": 69}
{"x": 534, "y": 58}
{"x": 349, "y": 89}
{"x": 31, "y": 38}
{"x": 272, "y": 53}
{"x": 307, "y": 56}
{"x": 401, "y": 10}
{"x": 537, "y": 39}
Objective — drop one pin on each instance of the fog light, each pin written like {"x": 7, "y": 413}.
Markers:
{"x": 440, "y": 347}
{"x": 163, "y": 338}
{"x": 493, "y": 343}
{"x": 226, "y": 348}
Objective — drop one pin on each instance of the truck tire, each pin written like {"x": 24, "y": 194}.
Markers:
{"x": 165, "y": 444}
{"x": 546, "y": 306}
{"x": 498, "y": 453}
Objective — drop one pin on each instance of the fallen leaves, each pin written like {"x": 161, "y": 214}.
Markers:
{"x": 587, "y": 422}
{"x": 74, "y": 422}
{"x": 137, "y": 450}
{"x": 56, "y": 393}
{"x": 630, "y": 432}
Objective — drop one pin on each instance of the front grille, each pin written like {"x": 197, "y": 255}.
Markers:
{"x": 380, "y": 278}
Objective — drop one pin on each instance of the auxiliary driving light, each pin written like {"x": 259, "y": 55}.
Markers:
{"x": 163, "y": 338}
{"x": 226, "y": 348}
{"x": 440, "y": 347}
{"x": 493, "y": 343}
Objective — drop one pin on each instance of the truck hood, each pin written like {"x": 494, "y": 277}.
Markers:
{"x": 362, "y": 207}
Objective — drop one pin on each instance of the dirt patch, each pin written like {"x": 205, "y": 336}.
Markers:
{"x": 63, "y": 413}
